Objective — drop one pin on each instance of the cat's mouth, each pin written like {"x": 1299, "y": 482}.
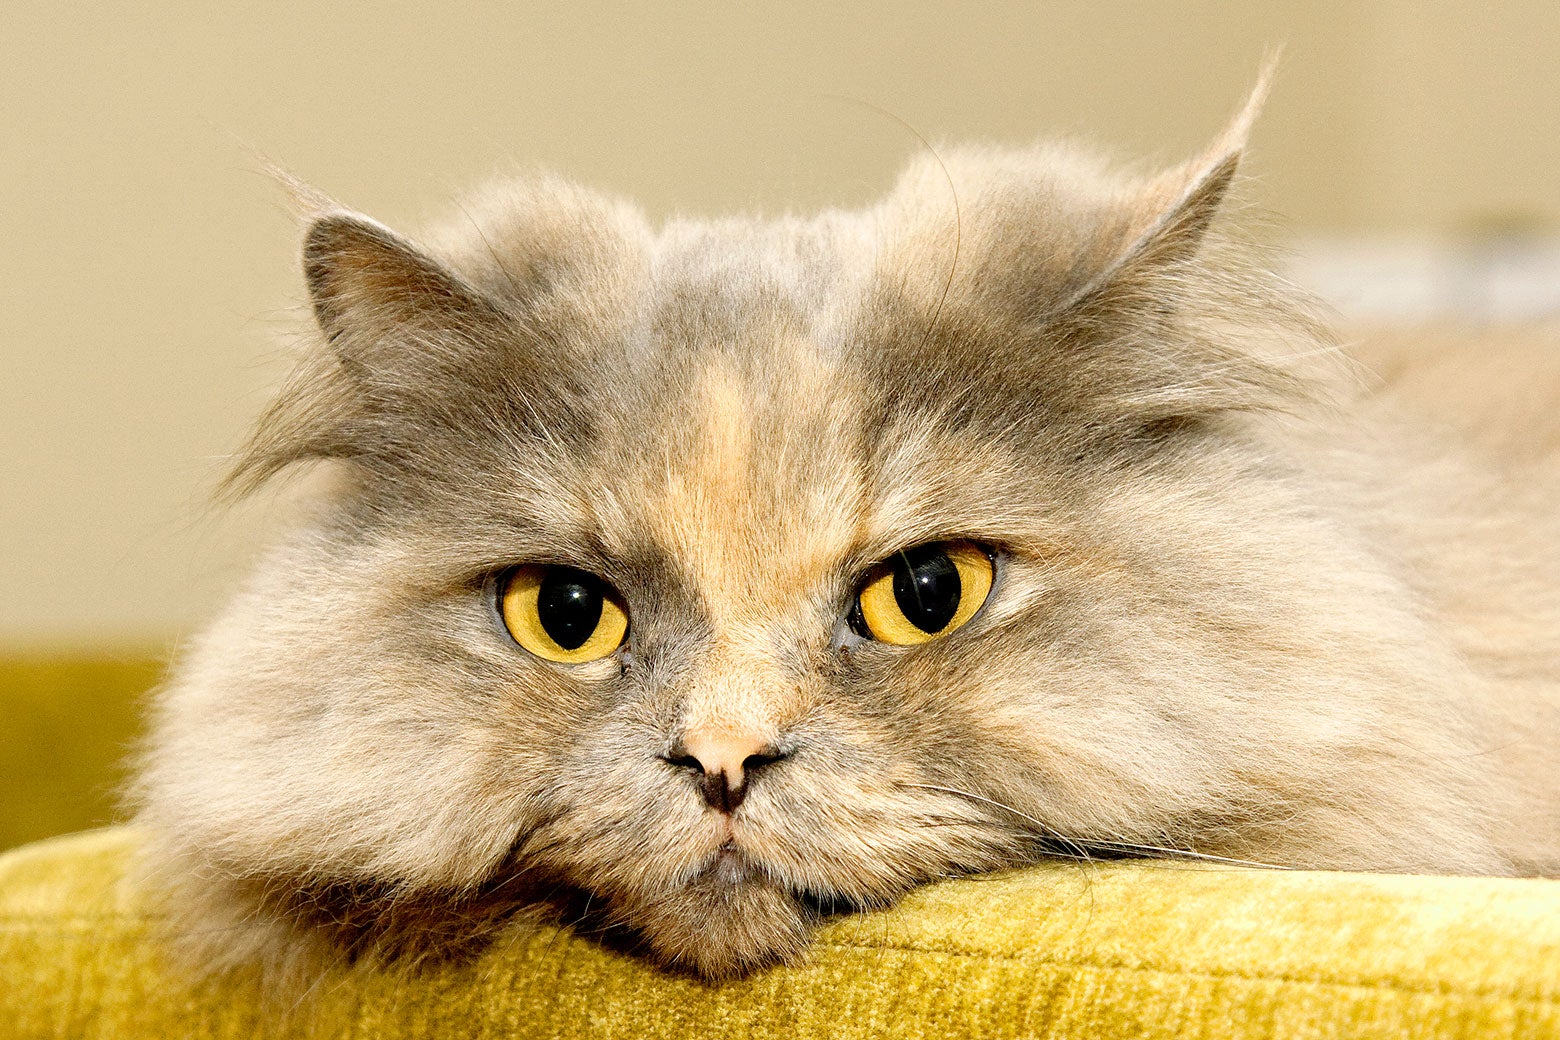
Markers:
{"x": 724, "y": 894}
{"x": 732, "y": 866}
{"x": 731, "y": 917}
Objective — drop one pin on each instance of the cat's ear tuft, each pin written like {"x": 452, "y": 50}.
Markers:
{"x": 364, "y": 279}
{"x": 1181, "y": 206}
{"x": 1174, "y": 276}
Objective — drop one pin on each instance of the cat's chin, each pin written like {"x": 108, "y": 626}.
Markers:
{"x": 730, "y": 919}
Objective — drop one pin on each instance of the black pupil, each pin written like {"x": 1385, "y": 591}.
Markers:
{"x": 569, "y": 606}
{"x": 927, "y": 587}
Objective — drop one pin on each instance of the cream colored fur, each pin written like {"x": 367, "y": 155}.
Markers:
{"x": 1254, "y": 600}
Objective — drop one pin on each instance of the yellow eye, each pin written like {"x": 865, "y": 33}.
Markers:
{"x": 920, "y": 594}
{"x": 562, "y": 614}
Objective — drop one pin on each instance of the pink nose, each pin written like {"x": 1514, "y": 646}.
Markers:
{"x": 722, "y": 752}
{"x": 724, "y": 763}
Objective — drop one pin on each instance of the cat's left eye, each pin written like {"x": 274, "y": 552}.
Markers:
{"x": 923, "y": 593}
{"x": 562, "y": 614}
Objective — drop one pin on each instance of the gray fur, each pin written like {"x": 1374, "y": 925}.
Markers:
{"x": 1248, "y": 606}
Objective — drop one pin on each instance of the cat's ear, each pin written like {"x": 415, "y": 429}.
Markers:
{"x": 405, "y": 335}
{"x": 367, "y": 283}
{"x": 1174, "y": 215}
{"x": 361, "y": 276}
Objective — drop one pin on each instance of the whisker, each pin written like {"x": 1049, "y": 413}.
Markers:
{"x": 1161, "y": 850}
{"x": 1083, "y": 845}
{"x": 953, "y": 194}
{"x": 1050, "y": 832}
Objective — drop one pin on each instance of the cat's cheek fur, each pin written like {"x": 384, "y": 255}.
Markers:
{"x": 342, "y": 752}
{"x": 1202, "y": 689}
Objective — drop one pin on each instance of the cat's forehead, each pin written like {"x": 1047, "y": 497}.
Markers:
{"x": 747, "y": 449}
{"x": 739, "y": 438}
{"x": 756, "y": 487}
{"x": 740, "y": 417}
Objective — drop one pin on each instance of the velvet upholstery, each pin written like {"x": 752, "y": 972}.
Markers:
{"x": 1115, "y": 950}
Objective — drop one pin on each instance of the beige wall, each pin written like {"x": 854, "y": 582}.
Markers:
{"x": 147, "y": 270}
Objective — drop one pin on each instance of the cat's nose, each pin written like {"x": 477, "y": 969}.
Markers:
{"x": 724, "y": 764}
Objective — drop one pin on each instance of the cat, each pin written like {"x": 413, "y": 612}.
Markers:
{"x": 703, "y": 580}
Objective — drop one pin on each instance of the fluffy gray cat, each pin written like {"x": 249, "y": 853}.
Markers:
{"x": 698, "y": 581}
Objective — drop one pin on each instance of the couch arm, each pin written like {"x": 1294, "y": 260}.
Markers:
{"x": 1119, "y": 950}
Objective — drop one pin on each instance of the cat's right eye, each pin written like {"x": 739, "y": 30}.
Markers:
{"x": 562, "y": 614}
{"x": 923, "y": 593}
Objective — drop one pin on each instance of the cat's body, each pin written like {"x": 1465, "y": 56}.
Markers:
{"x": 1247, "y": 601}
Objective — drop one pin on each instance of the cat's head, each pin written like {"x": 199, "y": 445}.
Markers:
{"x": 728, "y": 572}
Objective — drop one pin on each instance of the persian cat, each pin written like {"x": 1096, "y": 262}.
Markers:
{"x": 697, "y": 581}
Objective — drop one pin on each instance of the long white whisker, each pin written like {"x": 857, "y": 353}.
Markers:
{"x": 1129, "y": 846}
{"x": 1055, "y": 835}
{"x": 1083, "y": 844}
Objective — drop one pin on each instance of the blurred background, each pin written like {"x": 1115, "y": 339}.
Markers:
{"x": 148, "y": 280}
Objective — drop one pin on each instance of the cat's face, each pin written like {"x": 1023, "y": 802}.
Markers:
{"x": 730, "y": 430}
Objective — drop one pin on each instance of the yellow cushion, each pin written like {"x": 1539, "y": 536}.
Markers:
{"x": 1115, "y": 951}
